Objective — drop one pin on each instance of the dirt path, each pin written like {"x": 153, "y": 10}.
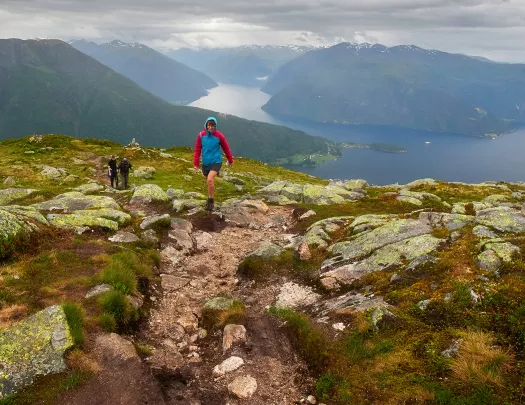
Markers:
{"x": 183, "y": 359}
{"x": 200, "y": 257}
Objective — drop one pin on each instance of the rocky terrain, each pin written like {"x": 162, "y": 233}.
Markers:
{"x": 295, "y": 290}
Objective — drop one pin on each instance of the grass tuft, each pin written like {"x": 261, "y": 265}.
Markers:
{"x": 75, "y": 315}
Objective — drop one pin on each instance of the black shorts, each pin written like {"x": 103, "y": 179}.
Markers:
{"x": 216, "y": 167}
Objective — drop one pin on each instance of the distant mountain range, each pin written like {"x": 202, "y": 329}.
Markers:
{"x": 404, "y": 86}
{"x": 47, "y": 86}
{"x": 245, "y": 65}
{"x": 168, "y": 79}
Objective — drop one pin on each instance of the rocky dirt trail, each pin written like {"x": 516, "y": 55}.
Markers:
{"x": 200, "y": 258}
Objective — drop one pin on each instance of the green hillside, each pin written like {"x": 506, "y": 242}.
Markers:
{"x": 160, "y": 75}
{"x": 403, "y": 86}
{"x": 50, "y": 87}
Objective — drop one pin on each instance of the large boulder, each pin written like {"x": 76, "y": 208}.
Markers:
{"x": 53, "y": 173}
{"x": 16, "y": 224}
{"x": 9, "y": 195}
{"x": 75, "y": 201}
{"x": 391, "y": 232}
{"x": 503, "y": 219}
{"x": 34, "y": 347}
{"x": 443, "y": 220}
{"x": 89, "y": 188}
{"x": 148, "y": 193}
{"x": 81, "y": 221}
{"x": 320, "y": 195}
{"x": 143, "y": 172}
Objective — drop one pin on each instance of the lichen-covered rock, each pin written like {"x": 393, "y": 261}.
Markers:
{"x": 274, "y": 188}
{"x": 418, "y": 195}
{"x": 267, "y": 250}
{"x": 320, "y": 195}
{"x": 293, "y": 192}
{"x": 81, "y": 221}
{"x": 483, "y": 232}
{"x": 53, "y": 172}
{"x": 409, "y": 200}
{"x": 156, "y": 221}
{"x": 391, "y": 232}
{"x": 382, "y": 318}
{"x": 496, "y": 199}
{"x": 503, "y": 219}
{"x": 34, "y": 347}
{"x": 12, "y": 229}
{"x": 506, "y": 251}
{"x": 233, "y": 180}
{"x": 346, "y": 194}
{"x": 9, "y": 195}
{"x": 188, "y": 204}
{"x": 25, "y": 213}
{"x": 9, "y": 181}
{"x": 143, "y": 172}
{"x": 450, "y": 221}
{"x": 280, "y": 200}
{"x": 420, "y": 261}
{"x": 120, "y": 217}
{"x": 488, "y": 261}
{"x": 421, "y": 182}
{"x": 372, "y": 220}
{"x": 395, "y": 253}
{"x": 255, "y": 205}
{"x": 148, "y": 193}
{"x": 355, "y": 184}
{"x": 350, "y": 301}
{"x": 174, "y": 193}
{"x": 75, "y": 201}
{"x": 89, "y": 188}
{"x": 194, "y": 195}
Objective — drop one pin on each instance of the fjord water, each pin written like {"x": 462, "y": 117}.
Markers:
{"x": 447, "y": 157}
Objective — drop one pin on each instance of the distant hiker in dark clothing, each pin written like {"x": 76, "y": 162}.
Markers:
{"x": 124, "y": 167}
{"x": 209, "y": 142}
{"x": 112, "y": 167}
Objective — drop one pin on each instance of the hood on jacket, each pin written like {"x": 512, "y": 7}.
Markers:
{"x": 211, "y": 119}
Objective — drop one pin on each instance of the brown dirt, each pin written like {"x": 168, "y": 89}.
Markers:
{"x": 181, "y": 363}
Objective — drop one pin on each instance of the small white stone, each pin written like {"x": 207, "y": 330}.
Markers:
{"x": 311, "y": 399}
{"x": 227, "y": 366}
{"x": 339, "y": 326}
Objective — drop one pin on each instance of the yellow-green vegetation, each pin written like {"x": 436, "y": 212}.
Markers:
{"x": 286, "y": 263}
{"x": 460, "y": 192}
{"x": 75, "y": 315}
{"x": 406, "y": 363}
{"x": 143, "y": 350}
{"x": 116, "y": 305}
{"x": 222, "y": 311}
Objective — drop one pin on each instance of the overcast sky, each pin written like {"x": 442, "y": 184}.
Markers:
{"x": 491, "y": 28}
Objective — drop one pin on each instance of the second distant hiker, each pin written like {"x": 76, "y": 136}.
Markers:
{"x": 209, "y": 143}
{"x": 112, "y": 166}
{"x": 124, "y": 167}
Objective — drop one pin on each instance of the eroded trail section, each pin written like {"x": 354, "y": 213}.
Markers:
{"x": 200, "y": 258}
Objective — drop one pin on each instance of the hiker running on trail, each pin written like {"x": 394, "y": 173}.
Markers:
{"x": 112, "y": 166}
{"x": 124, "y": 167}
{"x": 209, "y": 142}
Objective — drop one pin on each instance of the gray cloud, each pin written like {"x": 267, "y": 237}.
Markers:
{"x": 492, "y": 28}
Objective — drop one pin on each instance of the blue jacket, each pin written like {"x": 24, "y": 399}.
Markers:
{"x": 210, "y": 144}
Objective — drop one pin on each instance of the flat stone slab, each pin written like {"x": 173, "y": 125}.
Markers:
{"x": 75, "y": 201}
{"x": 391, "y": 232}
{"x": 34, "y": 347}
{"x": 503, "y": 219}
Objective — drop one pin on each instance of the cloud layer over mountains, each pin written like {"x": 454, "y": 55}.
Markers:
{"x": 492, "y": 28}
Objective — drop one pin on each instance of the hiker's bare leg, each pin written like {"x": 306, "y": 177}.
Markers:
{"x": 210, "y": 180}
